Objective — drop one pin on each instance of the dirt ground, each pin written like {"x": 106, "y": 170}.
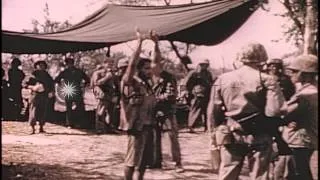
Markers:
{"x": 69, "y": 154}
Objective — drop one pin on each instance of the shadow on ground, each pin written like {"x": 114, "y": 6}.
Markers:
{"x": 51, "y": 172}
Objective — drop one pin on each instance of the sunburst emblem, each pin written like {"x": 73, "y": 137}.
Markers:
{"x": 67, "y": 90}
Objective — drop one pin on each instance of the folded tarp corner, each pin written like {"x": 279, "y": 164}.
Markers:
{"x": 202, "y": 24}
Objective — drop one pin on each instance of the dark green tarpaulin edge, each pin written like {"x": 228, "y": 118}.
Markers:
{"x": 200, "y": 24}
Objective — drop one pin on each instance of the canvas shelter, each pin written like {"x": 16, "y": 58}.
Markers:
{"x": 201, "y": 24}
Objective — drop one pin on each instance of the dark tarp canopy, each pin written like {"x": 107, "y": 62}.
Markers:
{"x": 202, "y": 24}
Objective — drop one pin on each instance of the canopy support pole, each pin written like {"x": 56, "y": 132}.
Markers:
{"x": 108, "y": 51}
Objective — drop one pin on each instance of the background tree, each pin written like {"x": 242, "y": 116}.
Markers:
{"x": 303, "y": 30}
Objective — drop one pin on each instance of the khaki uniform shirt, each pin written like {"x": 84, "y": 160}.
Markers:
{"x": 136, "y": 105}
{"x": 240, "y": 92}
{"x": 306, "y": 116}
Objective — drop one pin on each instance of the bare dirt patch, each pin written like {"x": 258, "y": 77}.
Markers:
{"x": 69, "y": 154}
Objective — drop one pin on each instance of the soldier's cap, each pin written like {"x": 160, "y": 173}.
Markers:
{"x": 204, "y": 61}
{"x": 122, "y": 63}
{"x": 304, "y": 63}
{"x": 39, "y": 63}
{"x": 274, "y": 61}
{"x": 16, "y": 62}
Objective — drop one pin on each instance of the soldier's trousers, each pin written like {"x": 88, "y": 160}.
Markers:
{"x": 37, "y": 112}
{"x": 295, "y": 166}
{"x": 107, "y": 115}
{"x": 173, "y": 138}
{"x": 38, "y": 109}
{"x": 233, "y": 156}
{"x": 281, "y": 167}
{"x": 73, "y": 114}
{"x": 157, "y": 150}
{"x": 101, "y": 119}
{"x": 15, "y": 112}
{"x": 198, "y": 111}
{"x": 140, "y": 148}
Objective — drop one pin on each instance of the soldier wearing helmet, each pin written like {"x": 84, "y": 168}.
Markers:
{"x": 240, "y": 103}
{"x": 138, "y": 103}
{"x": 301, "y": 133}
{"x": 5, "y": 97}
{"x": 302, "y": 66}
{"x": 41, "y": 86}
{"x": 275, "y": 68}
{"x": 198, "y": 85}
{"x": 76, "y": 78}
{"x": 106, "y": 89}
{"x": 122, "y": 66}
{"x": 15, "y": 77}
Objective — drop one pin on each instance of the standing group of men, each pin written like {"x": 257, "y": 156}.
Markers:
{"x": 41, "y": 87}
{"x": 247, "y": 106}
{"x": 106, "y": 88}
{"x": 245, "y": 109}
{"x": 147, "y": 101}
{"x": 242, "y": 109}
{"x": 11, "y": 91}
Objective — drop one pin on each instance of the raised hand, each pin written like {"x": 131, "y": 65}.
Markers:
{"x": 140, "y": 36}
{"x": 154, "y": 36}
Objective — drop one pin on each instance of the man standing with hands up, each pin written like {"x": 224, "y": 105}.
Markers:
{"x": 137, "y": 108}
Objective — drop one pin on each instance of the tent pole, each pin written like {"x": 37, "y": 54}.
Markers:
{"x": 108, "y": 51}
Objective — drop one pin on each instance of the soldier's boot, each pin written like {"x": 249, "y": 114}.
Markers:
{"x": 41, "y": 130}
{"x": 205, "y": 129}
{"x": 128, "y": 173}
{"x": 179, "y": 168}
{"x": 191, "y": 130}
{"x": 99, "y": 127}
{"x": 33, "y": 130}
{"x": 140, "y": 174}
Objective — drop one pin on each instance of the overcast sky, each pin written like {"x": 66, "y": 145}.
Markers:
{"x": 261, "y": 27}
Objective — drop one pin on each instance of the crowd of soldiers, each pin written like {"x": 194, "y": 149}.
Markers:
{"x": 248, "y": 106}
{"x": 261, "y": 111}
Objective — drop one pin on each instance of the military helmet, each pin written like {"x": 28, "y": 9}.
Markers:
{"x": 275, "y": 61}
{"x": 122, "y": 63}
{"x": 304, "y": 63}
{"x": 252, "y": 53}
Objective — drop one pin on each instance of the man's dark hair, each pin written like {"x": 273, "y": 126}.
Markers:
{"x": 69, "y": 61}
{"x": 16, "y": 62}
{"x": 142, "y": 62}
